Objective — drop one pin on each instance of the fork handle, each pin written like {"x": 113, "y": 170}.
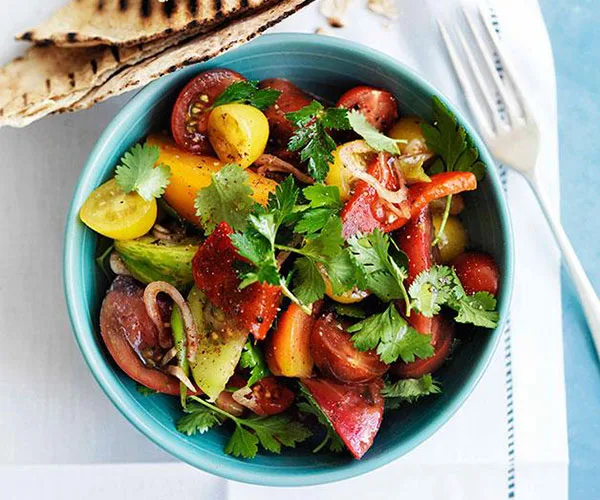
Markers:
{"x": 587, "y": 296}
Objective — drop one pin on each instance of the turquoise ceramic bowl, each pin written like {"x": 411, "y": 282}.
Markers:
{"x": 326, "y": 66}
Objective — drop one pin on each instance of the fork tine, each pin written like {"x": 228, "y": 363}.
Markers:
{"x": 509, "y": 71}
{"x": 483, "y": 86}
{"x": 465, "y": 83}
{"x": 512, "y": 109}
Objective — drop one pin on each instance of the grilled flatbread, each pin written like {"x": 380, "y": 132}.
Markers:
{"x": 52, "y": 79}
{"x": 199, "y": 49}
{"x": 85, "y": 23}
{"x": 49, "y": 78}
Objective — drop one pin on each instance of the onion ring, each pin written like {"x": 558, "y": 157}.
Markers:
{"x": 150, "y": 294}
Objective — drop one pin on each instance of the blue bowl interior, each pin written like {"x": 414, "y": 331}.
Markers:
{"x": 325, "y": 66}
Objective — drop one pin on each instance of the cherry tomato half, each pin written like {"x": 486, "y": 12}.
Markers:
{"x": 271, "y": 397}
{"x": 335, "y": 354}
{"x": 477, "y": 272}
{"x": 378, "y": 106}
{"x": 189, "y": 119}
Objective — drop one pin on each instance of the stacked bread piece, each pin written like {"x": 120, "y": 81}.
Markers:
{"x": 91, "y": 50}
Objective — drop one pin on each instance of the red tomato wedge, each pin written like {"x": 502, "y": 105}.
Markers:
{"x": 254, "y": 307}
{"x": 442, "y": 336}
{"x": 379, "y": 107}
{"x": 365, "y": 211}
{"x": 414, "y": 239}
{"x": 128, "y": 331}
{"x": 335, "y": 354}
{"x": 355, "y": 411}
{"x": 189, "y": 119}
{"x": 291, "y": 99}
{"x": 477, "y": 272}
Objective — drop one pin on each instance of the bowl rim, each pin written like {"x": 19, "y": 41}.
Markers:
{"x": 86, "y": 338}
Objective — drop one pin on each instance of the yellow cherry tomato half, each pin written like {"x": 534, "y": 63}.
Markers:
{"x": 453, "y": 240}
{"x": 116, "y": 214}
{"x": 339, "y": 175}
{"x": 238, "y": 133}
{"x": 408, "y": 128}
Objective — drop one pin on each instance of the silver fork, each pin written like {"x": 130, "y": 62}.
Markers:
{"x": 512, "y": 136}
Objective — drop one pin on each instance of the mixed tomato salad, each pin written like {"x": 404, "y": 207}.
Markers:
{"x": 289, "y": 267}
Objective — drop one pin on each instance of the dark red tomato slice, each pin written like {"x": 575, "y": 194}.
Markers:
{"x": 189, "y": 119}
{"x": 213, "y": 266}
{"x": 131, "y": 337}
{"x": 355, "y": 411}
{"x": 378, "y": 106}
{"x": 291, "y": 99}
{"x": 269, "y": 397}
{"x": 365, "y": 211}
{"x": 442, "y": 335}
{"x": 477, "y": 272}
{"x": 335, "y": 354}
{"x": 414, "y": 239}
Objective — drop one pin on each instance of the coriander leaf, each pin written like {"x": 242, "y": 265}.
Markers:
{"x": 478, "y": 309}
{"x": 374, "y": 138}
{"x": 145, "y": 391}
{"x": 313, "y": 221}
{"x": 242, "y": 443}
{"x": 282, "y": 202}
{"x": 409, "y": 390}
{"x": 137, "y": 172}
{"x": 320, "y": 195}
{"x": 336, "y": 118}
{"x": 391, "y": 336}
{"x": 253, "y": 359}
{"x": 350, "y": 310}
{"x": 198, "y": 419}
{"x": 341, "y": 272}
{"x": 309, "y": 285}
{"x": 306, "y": 114}
{"x": 278, "y": 430}
{"x": 247, "y": 92}
{"x": 271, "y": 432}
{"x": 450, "y": 141}
{"x": 324, "y": 202}
{"x": 227, "y": 198}
{"x": 328, "y": 243}
{"x": 439, "y": 286}
{"x": 382, "y": 270}
{"x": 431, "y": 289}
{"x": 311, "y": 137}
{"x": 311, "y": 407}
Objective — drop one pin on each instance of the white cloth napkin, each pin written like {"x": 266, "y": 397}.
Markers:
{"x": 509, "y": 437}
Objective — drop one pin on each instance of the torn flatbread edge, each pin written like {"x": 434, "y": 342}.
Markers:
{"x": 69, "y": 38}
